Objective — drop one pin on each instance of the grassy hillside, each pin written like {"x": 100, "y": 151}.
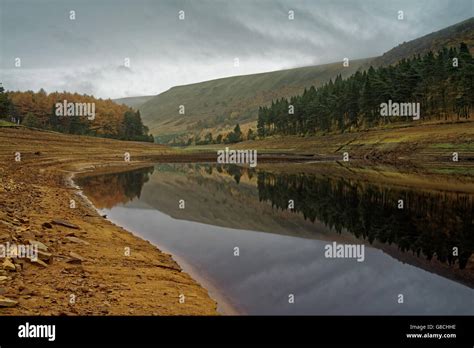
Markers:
{"x": 219, "y": 103}
{"x": 428, "y": 145}
{"x": 448, "y": 37}
{"x": 133, "y": 102}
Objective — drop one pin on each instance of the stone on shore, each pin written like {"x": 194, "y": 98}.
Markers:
{"x": 65, "y": 224}
{"x": 77, "y": 240}
{"x": 47, "y": 225}
{"x": 8, "y": 265}
{"x": 39, "y": 263}
{"x": 6, "y": 302}
{"x": 76, "y": 258}
{"x": 39, "y": 245}
{"x": 45, "y": 256}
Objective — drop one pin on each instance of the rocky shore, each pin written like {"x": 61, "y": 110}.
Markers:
{"x": 86, "y": 265}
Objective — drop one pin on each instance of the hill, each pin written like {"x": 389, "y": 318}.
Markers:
{"x": 223, "y": 102}
{"x": 448, "y": 37}
{"x": 133, "y": 102}
{"x": 217, "y": 105}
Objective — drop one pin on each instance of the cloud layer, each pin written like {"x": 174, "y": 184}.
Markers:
{"x": 87, "y": 55}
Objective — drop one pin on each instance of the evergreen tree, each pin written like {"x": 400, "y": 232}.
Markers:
{"x": 5, "y": 104}
{"x": 30, "y": 121}
{"x": 442, "y": 89}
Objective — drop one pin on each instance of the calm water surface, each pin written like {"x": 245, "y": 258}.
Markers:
{"x": 281, "y": 252}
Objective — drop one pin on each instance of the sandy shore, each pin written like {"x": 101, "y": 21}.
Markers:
{"x": 88, "y": 265}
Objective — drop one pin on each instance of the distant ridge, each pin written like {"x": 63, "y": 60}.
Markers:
{"x": 219, "y": 104}
{"x": 226, "y": 101}
{"x": 451, "y": 36}
{"x": 133, "y": 102}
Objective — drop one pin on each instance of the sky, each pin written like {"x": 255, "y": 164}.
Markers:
{"x": 118, "y": 48}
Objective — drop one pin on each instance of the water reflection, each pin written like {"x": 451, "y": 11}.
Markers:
{"x": 108, "y": 190}
{"x": 227, "y": 206}
{"x": 428, "y": 223}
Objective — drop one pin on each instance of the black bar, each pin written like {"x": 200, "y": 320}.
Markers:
{"x": 288, "y": 330}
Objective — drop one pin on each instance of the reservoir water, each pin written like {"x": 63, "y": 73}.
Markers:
{"x": 232, "y": 229}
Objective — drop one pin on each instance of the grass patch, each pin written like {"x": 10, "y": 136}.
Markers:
{"x": 455, "y": 170}
{"x": 452, "y": 146}
{"x": 7, "y": 124}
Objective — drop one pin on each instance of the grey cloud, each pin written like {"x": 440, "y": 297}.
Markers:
{"x": 165, "y": 51}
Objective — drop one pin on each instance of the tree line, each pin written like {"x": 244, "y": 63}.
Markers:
{"x": 442, "y": 83}
{"x": 235, "y": 136}
{"x": 38, "y": 110}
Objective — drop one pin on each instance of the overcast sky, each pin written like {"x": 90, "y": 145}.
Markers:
{"x": 87, "y": 55}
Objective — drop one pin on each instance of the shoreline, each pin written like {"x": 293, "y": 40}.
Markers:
{"x": 224, "y": 305}
{"x": 84, "y": 268}
{"x": 37, "y": 191}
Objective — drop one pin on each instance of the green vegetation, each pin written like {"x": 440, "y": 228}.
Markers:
{"x": 441, "y": 83}
{"x": 6, "y": 105}
{"x": 213, "y": 105}
{"x": 6, "y": 124}
{"x": 468, "y": 171}
{"x": 232, "y": 137}
{"x": 133, "y": 102}
{"x": 449, "y": 37}
{"x": 455, "y": 147}
{"x": 235, "y": 136}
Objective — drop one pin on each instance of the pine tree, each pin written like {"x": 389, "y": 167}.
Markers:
{"x": 5, "y": 104}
